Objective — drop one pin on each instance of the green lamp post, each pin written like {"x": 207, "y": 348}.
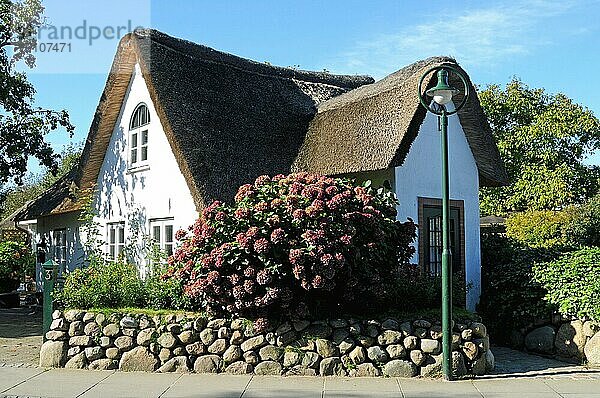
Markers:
{"x": 442, "y": 94}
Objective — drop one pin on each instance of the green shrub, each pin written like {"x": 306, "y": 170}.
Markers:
{"x": 164, "y": 293}
{"x": 541, "y": 228}
{"x": 584, "y": 228}
{"x": 413, "y": 290}
{"x": 511, "y": 298}
{"x": 15, "y": 261}
{"x": 111, "y": 284}
{"x": 573, "y": 282}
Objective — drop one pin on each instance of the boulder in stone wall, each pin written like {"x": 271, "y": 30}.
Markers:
{"x": 77, "y": 362}
{"x": 390, "y": 324}
{"x": 232, "y": 354}
{"x": 56, "y": 335}
{"x": 145, "y": 336}
{"x": 208, "y": 336}
{"x": 458, "y": 364}
{"x": 187, "y": 337}
{"x": 196, "y": 348}
{"x": 291, "y": 358}
{"x": 53, "y": 354}
{"x": 113, "y": 353}
{"x": 129, "y": 322}
{"x": 76, "y": 328}
{"x": 377, "y": 354}
{"x": 104, "y": 364}
{"x": 478, "y": 368}
{"x": 167, "y": 340}
{"x": 251, "y": 357}
{"x": 570, "y": 339}
{"x": 389, "y": 337}
{"x": 92, "y": 329}
{"x": 270, "y": 368}
{"x": 592, "y": 350}
{"x": 326, "y": 348}
{"x": 59, "y": 324}
{"x": 411, "y": 342}
{"x": 400, "y": 368}
{"x": 239, "y": 368}
{"x": 470, "y": 350}
{"x": 490, "y": 361}
{"x": 124, "y": 343}
{"x": 138, "y": 359}
{"x": 365, "y": 370}
{"x": 253, "y": 343}
{"x": 176, "y": 364}
{"x": 300, "y": 370}
{"x": 74, "y": 315}
{"x": 479, "y": 329}
{"x": 93, "y": 353}
{"x": 432, "y": 367}
{"x": 270, "y": 353}
{"x": 431, "y": 346}
{"x": 418, "y": 357}
{"x": 358, "y": 355}
{"x": 331, "y": 366}
{"x": 310, "y": 359}
{"x": 396, "y": 351}
{"x": 218, "y": 347}
{"x": 346, "y": 345}
{"x": 541, "y": 340}
{"x": 208, "y": 364}
{"x": 84, "y": 341}
{"x": 110, "y": 330}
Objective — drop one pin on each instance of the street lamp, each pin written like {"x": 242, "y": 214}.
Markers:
{"x": 442, "y": 94}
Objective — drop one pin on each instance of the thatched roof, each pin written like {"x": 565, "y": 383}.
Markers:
{"x": 373, "y": 127}
{"x": 229, "y": 120}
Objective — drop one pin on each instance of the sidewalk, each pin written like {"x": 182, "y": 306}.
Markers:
{"x": 36, "y": 382}
{"x": 517, "y": 375}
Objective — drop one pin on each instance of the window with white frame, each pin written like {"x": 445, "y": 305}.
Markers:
{"x": 138, "y": 136}
{"x": 161, "y": 232}
{"x": 59, "y": 249}
{"x": 115, "y": 240}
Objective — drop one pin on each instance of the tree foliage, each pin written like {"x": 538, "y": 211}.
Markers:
{"x": 14, "y": 197}
{"x": 23, "y": 126}
{"x": 543, "y": 139}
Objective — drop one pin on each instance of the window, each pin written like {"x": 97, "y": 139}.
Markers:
{"x": 430, "y": 235}
{"x": 161, "y": 231}
{"x": 115, "y": 240}
{"x": 138, "y": 136}
{"x": 59, "y": 249}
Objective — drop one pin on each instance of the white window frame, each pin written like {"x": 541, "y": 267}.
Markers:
{"x": 139, "y": 136}
{"x": 59, "y": 249}
{"x": 163, "y": 227}
{"x": 115, "y": 240}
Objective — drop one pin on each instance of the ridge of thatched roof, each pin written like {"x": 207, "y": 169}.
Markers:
{"x": 373, "y": 127}
{"x": 227, "y": 119}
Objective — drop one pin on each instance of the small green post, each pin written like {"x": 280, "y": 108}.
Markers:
{"x": 49, "y": 275}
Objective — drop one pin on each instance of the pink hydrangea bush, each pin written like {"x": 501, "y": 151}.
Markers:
{"x": 291, "y": 243}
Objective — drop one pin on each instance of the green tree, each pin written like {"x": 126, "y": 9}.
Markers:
{"x": 14, "y": 197}
{"x": 23, "y": 126}
{"x": 543, "y": 139}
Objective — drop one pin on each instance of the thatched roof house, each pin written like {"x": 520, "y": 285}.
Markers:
{"x": 212, "y": 121}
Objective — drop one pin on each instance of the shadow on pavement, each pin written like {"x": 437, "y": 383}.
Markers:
{"x": 20, "y": 322}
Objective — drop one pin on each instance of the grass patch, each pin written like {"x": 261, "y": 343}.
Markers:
{"x": 142, "y": 311}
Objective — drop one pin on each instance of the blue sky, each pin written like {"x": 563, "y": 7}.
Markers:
{"x": 550, "y": 44}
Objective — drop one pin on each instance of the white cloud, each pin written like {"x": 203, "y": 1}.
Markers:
{"x": 483, "y": 36}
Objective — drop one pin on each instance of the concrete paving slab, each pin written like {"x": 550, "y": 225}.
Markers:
{"x": 437, "y": 388}
{"x": 565, "y": 386}
{"x": 278, "y": 386}
{"x": 521, "y": 395}
{"x": 59, "y": 383}
{"x": 132, "y": 384}
{"x": 525, "y": 385}
{"x": 208, "y": 385}
{"x": 286, "y": 383}
{"x": 361, "y": 384}
{"x": 362, "y": 394}
{"x": 10, "y": 377}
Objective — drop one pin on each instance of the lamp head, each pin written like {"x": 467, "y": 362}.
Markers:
{"x": 442, "y": 93}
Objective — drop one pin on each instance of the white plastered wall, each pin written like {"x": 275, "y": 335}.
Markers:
{"x": 420, "y": 176}
{"x": 153, "y": 192}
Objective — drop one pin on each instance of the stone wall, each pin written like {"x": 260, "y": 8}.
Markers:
{"x": 184, "y": 343}
{"x": 571, "y": 340}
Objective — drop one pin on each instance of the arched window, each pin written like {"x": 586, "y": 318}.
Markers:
{"x": 138, "y": 135}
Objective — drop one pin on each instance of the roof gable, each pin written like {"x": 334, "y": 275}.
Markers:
{"x": 373, "y": 127}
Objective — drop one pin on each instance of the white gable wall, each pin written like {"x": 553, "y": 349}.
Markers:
{"x": 421, "y": 176}
{"x": 158, "y": 191}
